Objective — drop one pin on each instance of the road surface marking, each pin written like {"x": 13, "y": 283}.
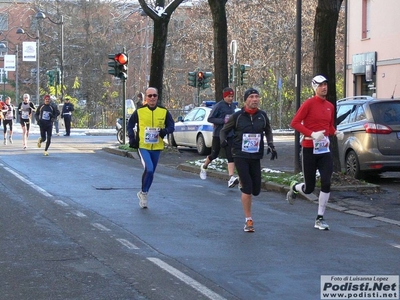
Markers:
{"x": 61, "y": 203}
{"x": 127, "y": 244}
{"x": 79, "y": 214}
{"x": 186, "y": 279}
{"x": 39, "y": 189}
{"x": 100, "y": 227}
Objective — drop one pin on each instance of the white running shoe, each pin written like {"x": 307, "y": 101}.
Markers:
{"x": 5, "y": 141}
{"x": 321, "y": 224}
{"x": 142, "y": 199}
{"x": 233, "y": 181}
{"x": 39, "y": 142}
{"x": 10, "y": 139}
{"x": 203, "y": 173}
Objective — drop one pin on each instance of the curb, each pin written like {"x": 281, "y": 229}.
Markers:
{"x": 283, "y": 189}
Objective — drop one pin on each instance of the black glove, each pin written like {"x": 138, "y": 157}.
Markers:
{"x": 133, "y": 143}
{"x": 271, "y": 149}
{"x": 163, "y": 133}
{"x": 224, "y": 143}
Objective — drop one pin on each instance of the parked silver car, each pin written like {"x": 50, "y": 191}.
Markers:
{"x": 371, "y": 128}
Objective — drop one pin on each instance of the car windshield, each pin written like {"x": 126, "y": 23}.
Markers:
{"x": 386, "y": 112}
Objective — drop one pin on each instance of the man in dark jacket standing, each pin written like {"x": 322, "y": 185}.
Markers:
{"x": 46, "y": 114}
{"x": 249, "y": 125}
{"x": 66, "y": 114}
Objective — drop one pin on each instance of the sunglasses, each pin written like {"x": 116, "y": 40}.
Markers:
{"x": 152, "y": 95}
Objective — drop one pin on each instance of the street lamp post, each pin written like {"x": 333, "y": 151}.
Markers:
{"x": 40, "y": 15}
{"x": 21, "y": 31}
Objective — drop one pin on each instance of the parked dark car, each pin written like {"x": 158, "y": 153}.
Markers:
{"x": 371, "y": 128}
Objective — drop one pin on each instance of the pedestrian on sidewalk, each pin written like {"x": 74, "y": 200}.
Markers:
{"x": 315, "y": 119}
{"x": 153, "y": 123}
{"x": 66, "y": 114}
{"x": 46, "y": 114}
{"x": 8, "y": 112}
{"x": 219, "y": 115}
{"x": 25, "y": 109}
{"x": 249, "y": 126}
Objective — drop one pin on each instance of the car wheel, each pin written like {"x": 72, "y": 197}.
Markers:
{"x": 353, "y": 166}
{"x": 120, "y": 136}
{"x": 172, "y": 140}
{"x": 201, "y": 145}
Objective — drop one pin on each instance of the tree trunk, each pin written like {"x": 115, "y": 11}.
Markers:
{"x": 218, "y": 12}
{"x": 326, "y": 20}
{"x": 160, "y": 34}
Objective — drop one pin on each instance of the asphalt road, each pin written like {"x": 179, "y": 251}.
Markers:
{"x": 71, "y": 228}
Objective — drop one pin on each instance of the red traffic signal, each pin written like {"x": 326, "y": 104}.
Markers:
{"x": 121, "y": 58}
{"x": 200, "y": 77}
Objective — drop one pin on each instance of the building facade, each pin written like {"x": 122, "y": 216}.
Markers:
{"x": 373, "y": 48}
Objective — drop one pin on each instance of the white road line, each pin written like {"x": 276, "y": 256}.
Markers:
{"x": 395, "y": 245}
{"x": 127, "y": 244}
{"x": 186, "y": 279}
{"x": 61, "y": 203}
{"x": 39, "y": 189}
{"x": 79, "y": 214}
{"x": 100, "y": 227}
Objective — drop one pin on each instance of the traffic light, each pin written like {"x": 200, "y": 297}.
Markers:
{"x": 200, "y": 79}
{"x": 113, "y": 70}
{"x": 50, "y": 77}
{"x": 119, "y": 65}
{"x": 206, "y": 79}
{"x": 243, "y": 74}
{"x": 57, "y": 76}
{"x": 231, "y": 73}
{"x": 122, "y": 65}
{"x": 192, "y": 79}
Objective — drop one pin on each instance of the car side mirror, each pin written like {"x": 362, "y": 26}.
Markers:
{"x": 180, "y": 119}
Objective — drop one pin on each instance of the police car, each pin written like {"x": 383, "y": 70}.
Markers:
{"x": 193, "y": 130}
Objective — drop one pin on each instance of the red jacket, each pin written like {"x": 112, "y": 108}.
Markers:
{"x": 315, "y": 114}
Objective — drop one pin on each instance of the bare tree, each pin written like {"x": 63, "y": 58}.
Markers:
{"x": 325, "y": 27}
{"x": 161, "y": 16}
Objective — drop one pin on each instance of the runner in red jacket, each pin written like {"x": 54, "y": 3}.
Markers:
{"x": 315, "y": 120}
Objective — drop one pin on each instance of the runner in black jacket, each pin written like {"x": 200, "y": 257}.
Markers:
{"x": 219, "y": 115}
{"x": 250, "y": 124}
{"x": 45, "y": 115}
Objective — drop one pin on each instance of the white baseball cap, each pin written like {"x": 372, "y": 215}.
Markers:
{"x": 317, "y": 80}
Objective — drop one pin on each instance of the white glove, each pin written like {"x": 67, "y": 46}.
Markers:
{"x": 318, "y": 135}
{"x": 339, "y": 135}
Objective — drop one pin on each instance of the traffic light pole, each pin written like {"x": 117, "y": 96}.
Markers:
{"x": 124, "y": 111}
{"x": 123, "y": 78}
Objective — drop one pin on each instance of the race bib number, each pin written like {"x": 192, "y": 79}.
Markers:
{"x": 151, "y": 135}
{"x": 251, "y": 142}
{"x": 321, "y": 146}
{"x": 46, "y": 115}
{"x": 25, "y": 115}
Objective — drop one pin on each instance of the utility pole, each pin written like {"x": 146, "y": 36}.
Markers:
{"x": 234, "y": 65}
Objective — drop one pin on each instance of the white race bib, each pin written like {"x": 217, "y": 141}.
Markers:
{"x": 25, "y": 115}
{"x": 321, "y": 146}
{"x": 151, "y": 135}
{"x": 251, "y": 142}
